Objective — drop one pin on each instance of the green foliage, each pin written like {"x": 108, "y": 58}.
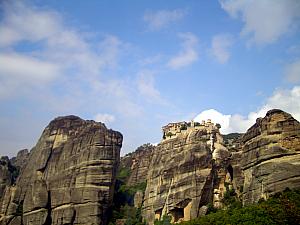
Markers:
{"x": 123, "y": 197}
{"x": 230, "y": 199}
{"x": 166, "y": 220}
{"x": 283, "y": 208}
{"x": 169, "y": 134}
{"x": 211, "y": 208}
{"x": 123, "y": 204}
{"x": 123, "y": 174}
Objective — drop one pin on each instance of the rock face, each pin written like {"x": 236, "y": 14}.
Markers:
{"x": 6, "y": 174}
{"x": 186, "y": 172}
{"x": 69, "y": 177}
{"x": 192, "y": 167}
{"x": 138, "y": 162}
{"x": 271, "y": 156}
{"x": 21, "y": 159}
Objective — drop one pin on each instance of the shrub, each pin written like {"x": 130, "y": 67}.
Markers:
{"x": 166, "y": 220}
{"x": 283, "y": 208}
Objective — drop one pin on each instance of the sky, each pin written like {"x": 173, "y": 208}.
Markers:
{"x": 138, "y": 65}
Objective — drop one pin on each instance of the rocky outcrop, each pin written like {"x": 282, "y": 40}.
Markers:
{"x": 187, "y": 171}
{"x": 69, "y": 177}
{"x": 271, "y": 156}
{"x": 138, "y": 162}
{"x": 233, "y": 143}
{"x": 7, "y": 174}
{"x": 20, "y": 160}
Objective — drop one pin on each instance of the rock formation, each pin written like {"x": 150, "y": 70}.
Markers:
{"x": 187, "y": 171}
{"x": 7, "y": 175}
{"x": 69, "y": 177}
{"x": 138, "y": 162}
{"x": 20, "y": 160}
{"x": 271, "y": 156}
{"x": 192, "y": 166}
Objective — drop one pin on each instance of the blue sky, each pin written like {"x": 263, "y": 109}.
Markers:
{"x": 138, "y": 65}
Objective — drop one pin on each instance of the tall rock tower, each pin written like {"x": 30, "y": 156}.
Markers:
{"x": 69, "y": 177}
{"x": 182, "y": 176}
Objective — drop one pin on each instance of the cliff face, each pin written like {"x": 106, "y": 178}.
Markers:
{"x": 182, "y": 176}
{"x": 6, "y": 174}
{"x": 138, "y": 162}
{"x": 271, "y": 156}
{"x": 69, "y": 177}
{"x": 190, "y": 169}
{"x": 20, "y": 160}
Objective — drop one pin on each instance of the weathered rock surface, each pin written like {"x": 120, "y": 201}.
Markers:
{"x": 21, "y": 159}
{"x": 182, "y": 176}
{"x": 6, "y": 176}
{"x": 138, "y": 162}
{"x": 192, "y": 168}
{"x": 233, "y": 143}
{"x": 271, "y": 156}
{"x": 69, "y": 177}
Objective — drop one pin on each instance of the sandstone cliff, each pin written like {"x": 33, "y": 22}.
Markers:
{"x": 193, "y": 167}
{"x": 271, "y": 156}
{"x": 69, "y": 177}
{"x": 20, "y": 160}
{"x": 7, "y": 174}
{"x": 138, "y": 163}
{"x": 187, "y": 171}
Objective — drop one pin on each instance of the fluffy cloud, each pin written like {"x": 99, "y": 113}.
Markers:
{"x": 292, "y": 72}
{"x": 287, "y": 100}
{"x": 265, "y": 21}
{"x": 48, "y": 68}
{"x": 188, "y": 53}
{"x": 23, "y": 23}
{"x": 216, "y": 117}
{"x": 104, "y": 118}
{"x": 162, "y": 18}
{"x": 220, "y": 47}
{"x": 64, "y": 55}
{"x": 18, "y": 71}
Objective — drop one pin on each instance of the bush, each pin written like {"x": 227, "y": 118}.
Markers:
{"x": 166, "y": 220}
{"x": 283, "y": 208}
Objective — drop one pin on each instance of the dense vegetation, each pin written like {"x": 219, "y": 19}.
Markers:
{"x": 283, "y": 208}
{"x": 123, "y": 208}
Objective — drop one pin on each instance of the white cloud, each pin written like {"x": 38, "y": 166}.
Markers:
{"x": 287, "y": 100}
{"x": 19, "y": 72}
{"x": 162, "y": 18}
{"x": 55, "y": 69}
{"x": 216, "y": 117}
{"x": 32, "y": 25}
{"x": 188, "y": 53}
{"x": 265, "y": 21}
{"x": 104, "y": 118}
{"x": 145, "y": 84}
{"x": 64, "y": 54}
{"x": 220, "y": 47}
{"x": 292, "y": 71}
